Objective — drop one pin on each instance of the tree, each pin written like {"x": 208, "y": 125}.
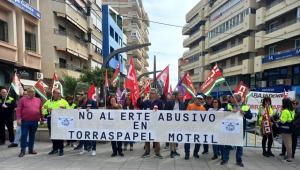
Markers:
{"x": 72, "y": 86}
{"x": 96, "y": 76}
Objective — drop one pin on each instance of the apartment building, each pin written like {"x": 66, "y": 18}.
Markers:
{"x": 71, "y": 36}
{"x": 193, "y": 59}
{"x": 135, "y": 25}
{"x": 277, "y": 42}
{"x": 20, "y": 47}
{"x": 113, "y": 37}
{"x": 257, "y": 42}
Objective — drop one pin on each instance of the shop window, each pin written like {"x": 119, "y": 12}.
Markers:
{"x": 297, "y": 43}
{"x": 112, "y": 32}
{"x": 3, "y": 31}
{"x": 30, "y": 41}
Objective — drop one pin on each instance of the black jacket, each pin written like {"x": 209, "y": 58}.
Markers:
{"x": 297, "y": 123}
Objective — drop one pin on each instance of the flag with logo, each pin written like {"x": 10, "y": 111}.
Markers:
{"x": 214, "y": 78}
{"x": 242, "y": 89}
{"x": 131, "y": 83}
{"x": 17, "y": 85}
{"x": 56, "y": 84}
{"x": 116, "y": 76}
{"x": 39, "y": 87}
{"x": 188, "y": 85}
{"x": 163, "y": 81}
{"x": 92, "y": 95}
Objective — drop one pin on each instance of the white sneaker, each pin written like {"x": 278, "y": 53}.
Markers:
{"x": 82, "y": 152}
{"x": 93, "y": 153}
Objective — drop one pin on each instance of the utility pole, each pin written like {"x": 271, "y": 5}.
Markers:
{"x": 154, "y": 72}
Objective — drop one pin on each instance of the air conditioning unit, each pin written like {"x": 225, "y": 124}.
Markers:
{"x": 280, "y": 81}
{"x": 39, "y": 75}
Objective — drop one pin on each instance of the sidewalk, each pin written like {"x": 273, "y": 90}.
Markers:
{"x": 253, "y": 160}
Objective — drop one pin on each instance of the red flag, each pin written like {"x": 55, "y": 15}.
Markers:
{"x": 242, "y": 89}
{"x": 214, "y": 78}
{"x": 56, "y": 84}
{"x": 106, "y": 80}
{"x": 92, "y": 93}
{"x": 163, "y": 81}
{"x": 131, "y": 83}
{"x": 115, "y": 77}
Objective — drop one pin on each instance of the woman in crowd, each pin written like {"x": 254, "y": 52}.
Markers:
{"x": 286, "y": 119}
{"x": 217, "y": 149}
{"x": 266, "y": 108}
{"x": 116, "y": 145}
{"x": 128, "y": 106}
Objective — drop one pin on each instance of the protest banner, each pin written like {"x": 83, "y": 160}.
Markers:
{"x": 211, "y": 127}
{"x": 255, "y": 98}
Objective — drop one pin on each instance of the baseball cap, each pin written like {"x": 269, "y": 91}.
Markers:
{"x": 199, "y": 96}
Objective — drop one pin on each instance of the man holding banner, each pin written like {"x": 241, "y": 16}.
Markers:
{"x": 237, "y": 106}
{"x": 55, "y": 103}
{"x": 198, "y": 105}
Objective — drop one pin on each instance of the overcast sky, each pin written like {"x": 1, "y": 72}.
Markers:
{"x": 167, "y": 41}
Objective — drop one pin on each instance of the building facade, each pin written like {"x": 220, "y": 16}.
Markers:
{"x": 113, "y": 37}
{"x": 71, "y": 37}
{"x": 135, "y": 25}
{"x": 20, "y": 46}
{"x": 253, "y": 41}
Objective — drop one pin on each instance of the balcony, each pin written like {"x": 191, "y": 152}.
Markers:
{"x": 277, "y": 8}
{"x": 68, "y": 70}
{"x": 247, "y": 24}
{"x": 32, "y": 60}
{"x": 245, "y": 47}
{"x": 72, "y": 15}
{"x": 8, "y": 52}
{"x": 67, "y": 42}
{"x": 188, "y": 41}
{"x": 189, "y": 66}
{"x": 137, "y": 64}
{"x": 231, "y": 71}
{"x": 189, "y": 26}
{"x": 95, "y": 52}
{"x": 192, "y": 52}
{"x": 247, "y": 67}
{"x": 194, "y": 11}
{"x": 286, "y": 31}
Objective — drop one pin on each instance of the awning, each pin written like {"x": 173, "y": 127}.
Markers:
{"x": 27, "y": 83}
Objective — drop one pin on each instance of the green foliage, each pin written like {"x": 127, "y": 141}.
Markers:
{"x": 73, "y": 86}
{"x": 96, "y": 76}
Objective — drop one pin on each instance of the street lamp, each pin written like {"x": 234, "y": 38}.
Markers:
{"x": 122, "y": 50}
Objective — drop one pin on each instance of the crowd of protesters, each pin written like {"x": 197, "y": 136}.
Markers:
{"x": 30, "y": 110}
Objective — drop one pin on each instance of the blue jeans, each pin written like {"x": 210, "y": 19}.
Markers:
{"x": 238, "y": 154}
{"x": 217, "y": 150}
{"x": 187, "y": 147}
{"x": 89, "y": 145}
{"x": 28, "y": 128}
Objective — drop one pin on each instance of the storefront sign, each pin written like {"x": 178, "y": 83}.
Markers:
{"x": 281, "y": 55}
{"x": 26, "y": 7}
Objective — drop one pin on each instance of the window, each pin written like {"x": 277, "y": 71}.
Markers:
{"x": 112, "y": 32}
{"x": 117, "y": 37}
{"x": 297, "y": 43}
{"x": 28, "y": 1}
{"x": 272, "y": 26}
{"x": 62, "y": 63}
{"x": 3, "y": 31}
{"x": 272, "y": 50}
{"x": 62, "y": 30}
{"x": 30, "y": 41}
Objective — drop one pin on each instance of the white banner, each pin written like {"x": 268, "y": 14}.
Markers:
{"x": 210, "y": 127}
{"x": 255, "y": 100}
